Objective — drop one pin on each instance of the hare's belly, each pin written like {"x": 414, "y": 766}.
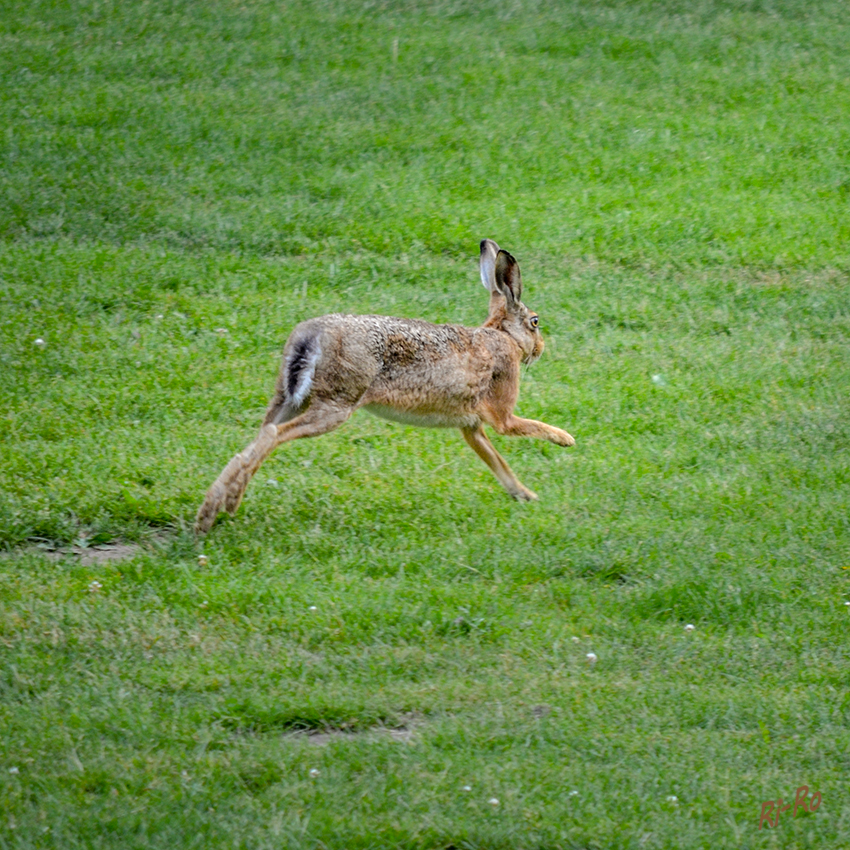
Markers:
{"x": 425, "y": 418}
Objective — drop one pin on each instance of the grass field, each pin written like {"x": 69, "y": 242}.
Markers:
{"x": 381, "y": 642}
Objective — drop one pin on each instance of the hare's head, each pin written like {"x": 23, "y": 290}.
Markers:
{"x": 500, "y": 275}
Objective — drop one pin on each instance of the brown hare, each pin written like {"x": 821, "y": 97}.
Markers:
{"x": 444, "y": 376}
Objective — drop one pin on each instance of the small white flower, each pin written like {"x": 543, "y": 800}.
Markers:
{"x": 658, "y": 380}
{"x": 95, "y": 586}
{"x": 690, "y": 627}
{"x": 847, "y": 603}
{"x": 13, "y": 770}
{"x": 466, "y": 788}
{"x": 591, "y": 657}
{"x": 493, "y": 801}
{"x": 40, "y": 342}
{"x": 312, "y": 608}
{"x": 573, "y": 794}
{"x": 314, "y": 773}
{"x": 576, "y": 639}
{"x": 203, "y": 560}
{"x": 159, "y": 315}
{"x": 672, "y": 799}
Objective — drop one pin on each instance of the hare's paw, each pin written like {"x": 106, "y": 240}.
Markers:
{"x": 523, "y": 494}
{"x": 565, "y": 439}
{"x": 205, "y": 519}
{"x": 210, "y": 509}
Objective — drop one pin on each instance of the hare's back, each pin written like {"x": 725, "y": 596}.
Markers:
{"x": 433, "y": 375}
{"x": 385, "y": 343}
{"x": 404, "y": 369}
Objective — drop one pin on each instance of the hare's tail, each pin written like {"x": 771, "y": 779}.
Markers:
{"x": 296, "y": 379}
{"x": 290, "y": 399}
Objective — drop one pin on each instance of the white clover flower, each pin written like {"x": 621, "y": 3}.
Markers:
{"x": 13, "y": 771}
{"x": 40, "y": 342}
{"x": 672, "y": 799}
{"x": 466, "y": 788}
{"x": 493, "y": 801}
{"x": 690, "y": 627}
{"x": 573, "y": 794}
{"x": 95, "y": 586}
{"x": 314, "y": 773}
{"x": 591, "y": 657}
{"x": 312, "y": 608}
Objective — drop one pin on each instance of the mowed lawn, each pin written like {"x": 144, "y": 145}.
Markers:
{"x": 381, "y": 649}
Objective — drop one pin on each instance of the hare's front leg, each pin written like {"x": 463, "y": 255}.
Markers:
{"x": 513, "y": 426}
{"x": 482, "y": 446}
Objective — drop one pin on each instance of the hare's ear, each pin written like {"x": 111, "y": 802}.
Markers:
{"x": 508, "y": 280}
{"x": 487, "y": 263}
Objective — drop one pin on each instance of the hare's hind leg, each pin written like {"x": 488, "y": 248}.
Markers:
{"x": 482, "y": 446}
{"x": 227, "y": 491}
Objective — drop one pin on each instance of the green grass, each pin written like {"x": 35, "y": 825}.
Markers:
{"x": 181, "y": 183}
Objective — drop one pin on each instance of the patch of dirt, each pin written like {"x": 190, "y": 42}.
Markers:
{"x": 404, "y": 734}
{"x": 102, "y": 553}
{"x": 321, "y": 738}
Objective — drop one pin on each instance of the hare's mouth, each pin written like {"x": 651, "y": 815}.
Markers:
{"x": 534, "y": 354}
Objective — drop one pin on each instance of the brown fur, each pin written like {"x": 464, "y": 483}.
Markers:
{"x": 402, "y": 369}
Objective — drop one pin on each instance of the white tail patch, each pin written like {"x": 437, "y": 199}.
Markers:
{"x": 300, "y": 368}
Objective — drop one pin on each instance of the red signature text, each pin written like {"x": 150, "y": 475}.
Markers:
{"x": 772, "y": 809}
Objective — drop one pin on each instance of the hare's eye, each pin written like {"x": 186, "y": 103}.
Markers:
{"x": 534, "y": 321}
